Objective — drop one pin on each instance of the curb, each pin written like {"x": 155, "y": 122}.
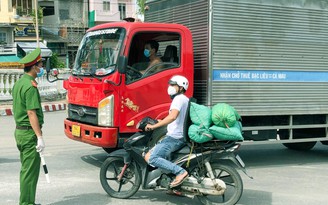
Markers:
{"x": 7, "y": 111}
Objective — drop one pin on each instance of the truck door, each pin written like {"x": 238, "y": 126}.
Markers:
{"x": 154, "y": 57}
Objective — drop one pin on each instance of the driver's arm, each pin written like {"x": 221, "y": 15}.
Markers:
{"x": 154, "y": 62}
{"x": 152, "y": 68}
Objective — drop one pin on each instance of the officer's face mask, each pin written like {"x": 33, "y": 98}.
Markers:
{"x": 40, "y": 73}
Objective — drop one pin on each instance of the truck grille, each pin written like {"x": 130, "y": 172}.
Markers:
{"x": 83, "y": 114}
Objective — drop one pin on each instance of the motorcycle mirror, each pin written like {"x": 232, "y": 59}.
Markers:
{"x": 48, "y": 66}
{"x": 54, "y": 72}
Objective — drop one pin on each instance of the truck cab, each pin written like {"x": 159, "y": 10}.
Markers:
{"x": 112, "y": 86}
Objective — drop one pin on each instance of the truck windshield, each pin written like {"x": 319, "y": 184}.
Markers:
{"x": 98, "y": 52}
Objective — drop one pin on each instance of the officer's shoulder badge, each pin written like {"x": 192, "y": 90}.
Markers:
{"x": 35, "y": 84}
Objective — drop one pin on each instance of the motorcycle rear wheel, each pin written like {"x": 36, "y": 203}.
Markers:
{"x": 129, "y": 184}
{"x": 233, "y": 182}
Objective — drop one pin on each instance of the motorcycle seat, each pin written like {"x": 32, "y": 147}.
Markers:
{"x": 183, "y": 150}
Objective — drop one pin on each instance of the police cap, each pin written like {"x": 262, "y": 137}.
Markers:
{"x": 31, "y": 58}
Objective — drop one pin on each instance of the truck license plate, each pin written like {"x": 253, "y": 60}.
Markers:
{"x": 76, "y": 130}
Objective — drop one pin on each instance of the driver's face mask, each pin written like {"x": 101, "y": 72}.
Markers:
{"x": 147, "y": 53}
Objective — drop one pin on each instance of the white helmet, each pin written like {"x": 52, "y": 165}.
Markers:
{"x": 180, "y": 81}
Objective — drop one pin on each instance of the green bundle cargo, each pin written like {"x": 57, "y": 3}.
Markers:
{"x": 200, "y": 115}
{"x": 232, "y": 133}
{"x": 224, "y": 115}
{"x": 198, "y": 134}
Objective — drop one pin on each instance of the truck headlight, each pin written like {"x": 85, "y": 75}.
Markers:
{"x": 105, "y": 111}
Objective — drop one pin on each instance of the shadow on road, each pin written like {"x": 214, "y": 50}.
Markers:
{"x": 92, "y": 198}
{"x": 254, "y": 156}
{"x": 157, "y": 197}
{"x": 274, "y": 155}
{"x": 162, "y": 198}
{"x": 95, "y": 159}
{"x": 256, "y": 197}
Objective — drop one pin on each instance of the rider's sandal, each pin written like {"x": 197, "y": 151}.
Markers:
{"x": 176, "y": 182}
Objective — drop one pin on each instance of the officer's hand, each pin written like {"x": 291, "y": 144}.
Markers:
{"x": 40, "y": 146}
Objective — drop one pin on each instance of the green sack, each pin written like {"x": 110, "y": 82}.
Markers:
{"x": 237, "y": 114}
{"x": 199, "y": 135}
{"x": 200, "y": 115}
{"x": 224, "y": 115}
{"x": 232, "y": 133}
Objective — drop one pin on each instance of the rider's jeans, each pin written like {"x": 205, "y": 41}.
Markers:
{"x": 161, "y": 153}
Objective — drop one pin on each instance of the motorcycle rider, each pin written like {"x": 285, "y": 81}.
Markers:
{"x": 173, "y": 141}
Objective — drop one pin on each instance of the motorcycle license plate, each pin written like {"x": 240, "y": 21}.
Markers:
{"x": 240, "y": 161}
{"x": 76, "y": 130}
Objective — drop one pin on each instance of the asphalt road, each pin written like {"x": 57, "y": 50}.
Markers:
{"x": 281, "y": 176}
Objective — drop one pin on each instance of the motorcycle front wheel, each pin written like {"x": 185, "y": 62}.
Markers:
{"x": 127, "y": 186}
{"x": 233, "y": 182}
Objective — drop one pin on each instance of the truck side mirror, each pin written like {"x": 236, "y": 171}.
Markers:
{"x": 48, "y": 66}
{"x": 122, "y": 63}
{"x": 52, "y": 73}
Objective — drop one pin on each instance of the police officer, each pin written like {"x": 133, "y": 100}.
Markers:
{"x": 29, "y": 119}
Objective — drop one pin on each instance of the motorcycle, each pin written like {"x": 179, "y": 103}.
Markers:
{"x": 213, "y": 178}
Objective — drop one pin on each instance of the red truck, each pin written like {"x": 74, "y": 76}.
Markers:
{"x": 268, "y": 59}
{"x": 112, "y": 89}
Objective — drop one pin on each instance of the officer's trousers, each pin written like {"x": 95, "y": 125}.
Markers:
{"x": 30, "y": 160}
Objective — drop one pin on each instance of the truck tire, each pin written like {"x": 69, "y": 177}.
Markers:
{"x": 157, "y": 135}
{"x": 324, "y": 142}
{"x": 300, "y": 146}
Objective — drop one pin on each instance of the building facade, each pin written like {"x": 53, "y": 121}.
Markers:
{"x": 62, "y": 25}
{"x": 103, "y": 11}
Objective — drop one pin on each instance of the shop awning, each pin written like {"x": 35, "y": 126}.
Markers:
{"x": 30, "y": 46}
{"x": 9, "y": 58}
{"x": 9, "y": 62}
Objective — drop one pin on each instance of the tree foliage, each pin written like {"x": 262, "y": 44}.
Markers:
{"x": 55, "y": 62}
{"x": 40, "y": 15}
{"x": 141, "y": 4}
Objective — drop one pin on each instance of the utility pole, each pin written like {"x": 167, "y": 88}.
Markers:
{"x": 36, "y": 23}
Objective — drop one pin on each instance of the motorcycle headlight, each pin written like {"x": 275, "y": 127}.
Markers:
{"x": 105, "y": 111}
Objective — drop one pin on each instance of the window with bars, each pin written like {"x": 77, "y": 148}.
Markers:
{"x": 23, "y": 7}
{"x": 122, "y": 10}
{"x": 106, "y": 5}
{"x": 3, "y": 38}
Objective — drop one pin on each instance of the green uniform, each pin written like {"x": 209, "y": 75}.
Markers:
{"x": 26, "y": 97}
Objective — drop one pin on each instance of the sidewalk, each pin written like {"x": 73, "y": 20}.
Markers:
{"x": 6, "y": 108}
